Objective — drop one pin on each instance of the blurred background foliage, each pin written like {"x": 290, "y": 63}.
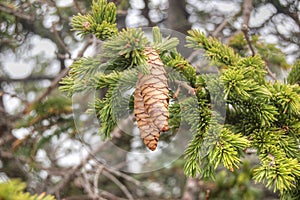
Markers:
{"x": 39, "y": 142}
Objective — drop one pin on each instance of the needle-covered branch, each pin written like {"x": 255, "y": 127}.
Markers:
{"x": 226, "y": 113}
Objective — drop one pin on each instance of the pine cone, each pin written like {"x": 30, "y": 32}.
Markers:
{"x": 151, "y": 100}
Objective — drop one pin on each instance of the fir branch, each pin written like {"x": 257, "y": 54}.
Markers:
{"x": 279, "y": 173}
{"x": 107, "y": 108}
{"x": 197, "y": 116}
{"x": 79, "y": 73}
{"x": 239, "y": 87}
{"x": 101, "y": 22}
{"x": 294, "y": 75}
{"x": 293, "y": 194}
{"x": 160, "y": 44}
{"x": 219, "y": 53}
{"x": 227, "y": 148}
{"x": 175, "y": 115}
{"x": 286, "y": 98}
{"x": 193, "y": 157}
{"x": 253, "y": 68}
{"x": 127, "y": 46}
{"x": 176, "y": 61}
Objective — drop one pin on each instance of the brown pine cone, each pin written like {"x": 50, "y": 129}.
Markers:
{"x": 152, "y": 100}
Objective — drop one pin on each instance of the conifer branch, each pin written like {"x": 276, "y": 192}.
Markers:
{"x": 215, "y": 50}
{"x": 260, "y": 115}
{"x": 294, "y": 75}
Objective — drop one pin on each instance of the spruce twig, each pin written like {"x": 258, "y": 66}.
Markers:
{"x": 245, "y": 30}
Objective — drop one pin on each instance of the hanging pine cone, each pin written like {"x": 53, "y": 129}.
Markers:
{"x": 151, "y": 100}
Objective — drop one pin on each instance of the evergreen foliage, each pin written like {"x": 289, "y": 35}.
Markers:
{"x": 14, "y": 190}
{"x": 260, "y": 114}
{"x": 101, "y": 22}
{"x": 294, "y": 75}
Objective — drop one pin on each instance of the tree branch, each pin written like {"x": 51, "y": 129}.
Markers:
{"x": 54, "y": 83}
{"x": 27, "y": 79}
{"x": 59, "y": 40}
{"x": 221, "y": 27}
{"x": 247, "y": 8}
{"x": 72, "y": 171}
{"x": 245, "y": 30}
{"x": 119, "y": 184}
{"x": 77, "y": 6}
{"x": 6, "y": 8}
{"x": 270, "y": 73}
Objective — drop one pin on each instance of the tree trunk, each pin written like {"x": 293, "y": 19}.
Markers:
{"x": 177, "y": 16}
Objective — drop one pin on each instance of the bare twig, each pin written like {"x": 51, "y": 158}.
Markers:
{"x": 72, "y": 171}
{"x": 87, "y": 186}
{"x": 54, "y": 83}
{"x": 119, "y": 184}
{"x": 245, "y": 30}
{"x": 59, "y": 40}
{"x": 84, "y": 48}
{"x": 193, "y": 55}
{"x": 286, "y": 10}
{"x": 78, "y": 7}
{"x": 185, "y": 85}
{"x": 207, "y": 194}
{"x": 270, "y": 73}
{"x": 109, "y": 195}
{"x": 122, "y": 12}
{"x": 6, "y": 8}
{"x": 27, "y": 79}
{"x": 221, "y": 26}
{"x": 96, "y": 179}
{"x": 124, "y": 176}
{"x": 247, "y": 8}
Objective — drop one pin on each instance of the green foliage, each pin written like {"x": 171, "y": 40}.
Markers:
{"x": 278, "y": 172}
{"x": 13, "y": 190}
{"x": 127, "y": 47}
{"x": 253, "y": 68}
{"x": 239, "y": 44}
{"x": 269, "y": 52}
{"x": 101, "y": 22}
{"x": 79, "y": 73}
{"x": 266, "y": 112}
{"x": 197, "y": 116}
{"x": 294, "y": 75}
{"x": 260, "y": 115}
{"x": 160, "y": 44}
{"x": 54, "y": 114}
{"x": 218, "y": 145}
{"x": 286, "y": 99}
{"x": 235, "y": 185}
{"x": 219, "y": 53}
{"x": 107, "y": 107}
{"x": 175, "y": 115}
{"x": 175, "y": 61}
{"x": 226, "y": 148}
